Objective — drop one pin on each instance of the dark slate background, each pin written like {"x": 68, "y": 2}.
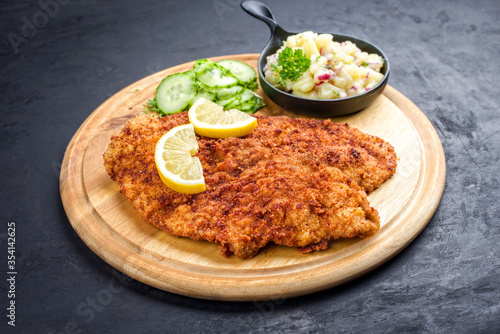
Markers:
{"x": 444, "y": 57}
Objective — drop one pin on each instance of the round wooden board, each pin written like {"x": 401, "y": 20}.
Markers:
{"x": 111, "y": 227}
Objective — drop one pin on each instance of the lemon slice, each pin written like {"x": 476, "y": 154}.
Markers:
{"x": 211, "y": 120}
{"x": 179, "y": 169}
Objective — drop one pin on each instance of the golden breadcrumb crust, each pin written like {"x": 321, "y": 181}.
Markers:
{"x": 294, "y": 182}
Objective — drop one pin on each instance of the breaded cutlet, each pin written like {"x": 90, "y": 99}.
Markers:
{"x": 294, "y": 182}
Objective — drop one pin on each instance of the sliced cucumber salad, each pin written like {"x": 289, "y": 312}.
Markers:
{"x": 229, "y": 83}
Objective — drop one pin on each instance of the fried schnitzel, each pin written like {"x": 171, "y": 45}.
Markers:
{"x": 294, "y": 182}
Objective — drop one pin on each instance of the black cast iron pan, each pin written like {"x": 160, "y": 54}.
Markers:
{"x": 304, "y": 106}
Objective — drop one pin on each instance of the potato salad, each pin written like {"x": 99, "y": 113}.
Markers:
{"x": 326, "y": 69}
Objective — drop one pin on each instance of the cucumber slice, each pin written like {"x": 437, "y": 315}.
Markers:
{"x": 206, "y": 94}
{"x": 240, "y": 100}
{"x": 202, "y": 65}
{"x": 191, "y": 73}
{"x": 211, "y": 76}
{"x": 175, "y": 93}
{"x": 229, "y": 83}
{"x": 246, "y": 101}
{"x": 227, "y": 102}
{"x": 251, "y": 106}
{"x": 226, "y": 93}
{"x": 202, "y": 93}
{"x": 245, "y": 73}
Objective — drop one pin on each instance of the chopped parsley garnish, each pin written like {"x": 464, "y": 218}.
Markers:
{"x": 151, "y": 106}
{"x": 291, "y": 64}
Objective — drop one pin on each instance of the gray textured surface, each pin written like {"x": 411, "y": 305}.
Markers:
{"x": 444, "y": 58}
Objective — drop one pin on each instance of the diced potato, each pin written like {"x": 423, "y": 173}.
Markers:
{"x": 361, "y": 58}
{"x": 343, "y": 74}
{"x": 349, "y": 59}
{"x": 317, "y": 63}
{"x": 357, "y": 87}
{"x": 314, "y": 67}
{"x": 327, "y": 50}
{"x": 340, "y": 55}
{"x": 321, "y": 60}
{"x": 353, "y": 71}
{"x": 305, "y": 85}
{"x": 310, "y": 48}
{"x": 322, "y": 40}
{"x": 288, "y": 85}
{"x": 350, "y": 48}
{"x": 291, "y": 41}
{"x": 340, "y": 82}
{"x": 309, "y": 95}
{"x": 328, "y": 91}
{"x": 270, "y": 78}
{"x": 363, "y": 71}
{"x": 323, "y": 74}
{"x": 373, "y": 77}
{"x": 350, "y": 70}
{"x": 299, "y": 39}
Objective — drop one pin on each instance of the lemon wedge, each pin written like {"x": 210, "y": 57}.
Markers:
{"x": 211, "y": 120}
{"x": 179, "y": 169}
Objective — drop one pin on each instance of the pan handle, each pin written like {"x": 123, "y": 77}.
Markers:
{"x": 262, "y": 12}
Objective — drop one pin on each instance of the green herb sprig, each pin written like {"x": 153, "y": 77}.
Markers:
{"x": 151, "y": 106}
{"x": 291, "y": 64}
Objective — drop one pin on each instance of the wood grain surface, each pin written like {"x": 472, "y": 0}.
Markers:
{"x": 111, "y": 227}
